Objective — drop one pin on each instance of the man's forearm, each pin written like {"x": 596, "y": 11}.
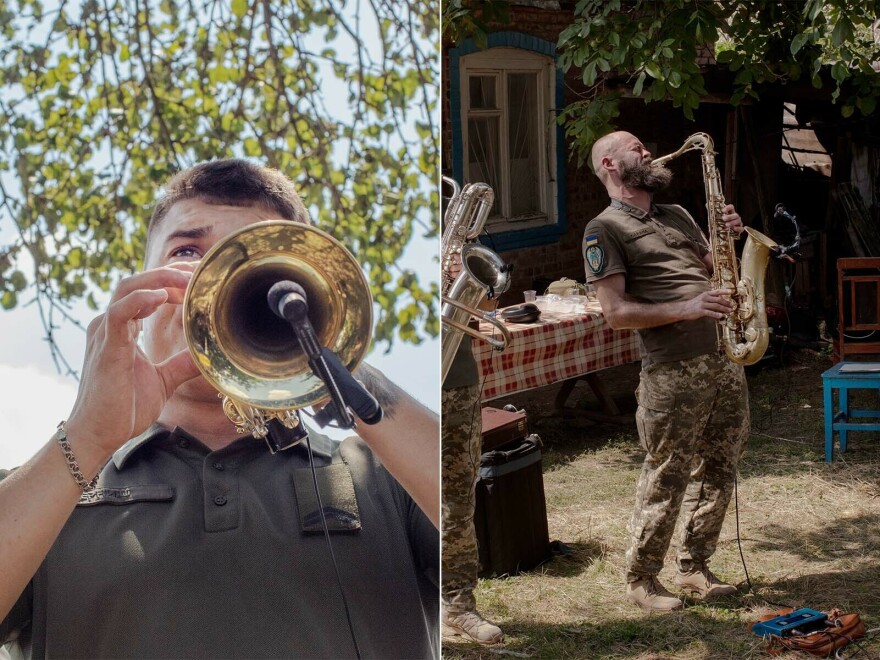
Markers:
{"x": 407, "y": 441}
{"x": 35, "y": 502}
{"x": 633, "y": 315}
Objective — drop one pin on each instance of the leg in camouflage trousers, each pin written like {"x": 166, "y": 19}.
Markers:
{"x": 714, "y": 471}
{"x": 692, "y": 421}
{"x": 461, "y": 464}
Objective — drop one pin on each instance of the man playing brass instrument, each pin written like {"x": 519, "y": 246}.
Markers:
{"x": 651, "y": 267}
{"x": 197, "y": 542}
{"x": 461, "y": 438}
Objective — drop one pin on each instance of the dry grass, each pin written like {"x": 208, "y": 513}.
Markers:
{"x": 810, "y": 532}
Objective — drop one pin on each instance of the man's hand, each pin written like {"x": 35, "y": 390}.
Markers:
{"x": 122, "y": 392}
{"x": 715, "y": 304}
{"x": 455, "y": 266}
{"x": 731, "y": 219}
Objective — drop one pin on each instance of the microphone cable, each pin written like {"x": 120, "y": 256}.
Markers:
{"x": 326, "y": 529}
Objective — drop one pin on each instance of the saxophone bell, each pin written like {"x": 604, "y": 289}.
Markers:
{"x": 465, "y": 216}
{"x": 482, "y": 271}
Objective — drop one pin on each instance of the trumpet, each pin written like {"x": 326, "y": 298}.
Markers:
{"x": 248, "y": 353}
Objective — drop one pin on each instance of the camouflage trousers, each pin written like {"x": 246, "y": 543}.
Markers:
{"x": 461, "y": 464}
{"x": 693, "y": 419}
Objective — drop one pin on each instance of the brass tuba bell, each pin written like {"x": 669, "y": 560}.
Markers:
{"x": 243, "y": 349}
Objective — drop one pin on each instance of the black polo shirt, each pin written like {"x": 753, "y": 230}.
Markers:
{"x": 187, "y": 553}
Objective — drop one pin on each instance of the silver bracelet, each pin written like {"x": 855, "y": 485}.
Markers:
{"x": 73, "y": 466}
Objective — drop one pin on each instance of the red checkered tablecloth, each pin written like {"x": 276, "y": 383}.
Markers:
{"x": 557, "y": 347}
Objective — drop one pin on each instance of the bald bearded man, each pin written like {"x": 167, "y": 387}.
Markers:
{"x": 651, "y": 267}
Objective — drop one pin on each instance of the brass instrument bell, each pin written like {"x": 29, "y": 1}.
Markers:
{"x": 243, "y": 349}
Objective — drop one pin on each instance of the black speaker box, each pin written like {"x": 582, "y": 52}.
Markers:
{"x": 511, "y": 512}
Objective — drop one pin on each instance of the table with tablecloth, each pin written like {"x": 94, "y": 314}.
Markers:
{"x": 559, "y": 346}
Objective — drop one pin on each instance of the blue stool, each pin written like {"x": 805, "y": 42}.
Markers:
{"x": 845, "y": 376}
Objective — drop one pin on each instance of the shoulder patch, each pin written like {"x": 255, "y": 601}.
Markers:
{"x": 595, "y": 258}
{"x": 591, "y": 239}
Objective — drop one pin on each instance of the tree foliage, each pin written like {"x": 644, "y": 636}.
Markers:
{"x": 460, "y": 20}
{"x": 102, "y": 100}
{"x": 655, "y": 45}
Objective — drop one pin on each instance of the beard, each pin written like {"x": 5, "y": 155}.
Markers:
{"x": 644, "y": 176}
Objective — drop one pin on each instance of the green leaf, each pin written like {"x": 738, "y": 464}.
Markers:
{"x": 812, "y": 9}
{"x": 239, "y": 7}
{"x": 653, "y": 70}
{"x": 640, "y": 81}
{"x": 842, "y": 33}
{"x": 589, "y": 74}
{"x": 798, "y": 42}
{"x": 18, "y": 280}
{"x": 128, "y": 93}
{"x": 866, "y": 104}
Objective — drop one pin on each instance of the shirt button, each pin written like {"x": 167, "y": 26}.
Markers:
{"x": 218, "y": 466}
{"x": 220, "y": 500}
{"x": 184, "y": 443}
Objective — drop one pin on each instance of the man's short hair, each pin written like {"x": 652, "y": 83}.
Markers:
{"x": 233, "y": 182}
{"x": 604, "y": 146}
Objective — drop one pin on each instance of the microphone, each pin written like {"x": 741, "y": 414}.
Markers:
{"x": 288, "y": 300}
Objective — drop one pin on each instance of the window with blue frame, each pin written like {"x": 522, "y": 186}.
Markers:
{"x": 505, "y": 134}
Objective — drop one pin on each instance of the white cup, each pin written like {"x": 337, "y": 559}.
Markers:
{"x": 529, "y": 296}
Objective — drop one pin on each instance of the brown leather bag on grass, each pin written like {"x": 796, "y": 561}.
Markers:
{"x": 844, "y": 629}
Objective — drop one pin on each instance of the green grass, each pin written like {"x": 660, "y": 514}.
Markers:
{"x": 810, "y": 532}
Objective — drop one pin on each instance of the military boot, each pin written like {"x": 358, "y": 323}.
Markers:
{"x": 649, "y": 594}
{"x": 471, "y": 626}
{"x": 703, "y": 582}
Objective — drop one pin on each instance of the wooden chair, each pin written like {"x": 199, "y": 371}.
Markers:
{"x": 858, "y": 295}
{"x": 858, "y": 308}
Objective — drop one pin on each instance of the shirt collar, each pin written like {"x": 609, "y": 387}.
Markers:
{"x": 634, "y": 211}
{"x": 120, "y": 456}
{"x": 322, "y": 446}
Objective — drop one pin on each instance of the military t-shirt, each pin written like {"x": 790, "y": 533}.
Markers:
{"x": 661, "y": 255}
{"x": 184, "y": 552}
{"x": 463, "y": 370}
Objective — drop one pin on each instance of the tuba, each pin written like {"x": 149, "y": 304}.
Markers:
{"x": 244, "y": 350}
{"x": 482, "y": 271}
{"x": 743, "y": 334}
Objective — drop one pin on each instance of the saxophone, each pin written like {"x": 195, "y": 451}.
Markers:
{"x": 743, "y": 335}
{"x": 482, "y": 271}
{"x": 464, "y": 219}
